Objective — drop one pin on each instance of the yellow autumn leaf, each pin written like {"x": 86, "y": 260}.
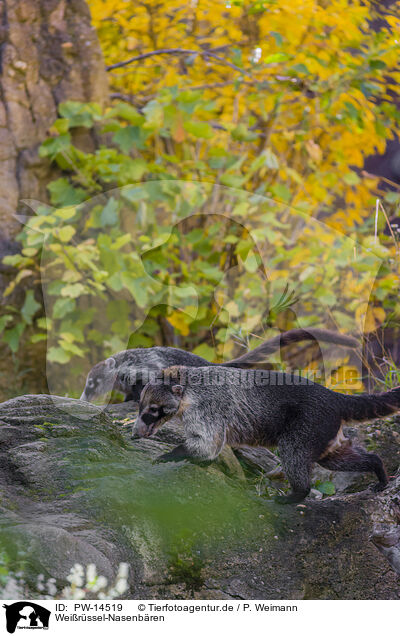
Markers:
{"x": 178, "y": 320}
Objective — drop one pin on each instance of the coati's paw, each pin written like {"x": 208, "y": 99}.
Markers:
{"x": 282, "y": 499}
{"x": 203, "y": 463}
{"x": 161, "y": 459}
{"x": 292, "y": 498}
{"x": 379, "y": 487}
{"x": 167, "y": 457}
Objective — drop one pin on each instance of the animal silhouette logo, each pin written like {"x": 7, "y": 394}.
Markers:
{"x": 26, "y": 615}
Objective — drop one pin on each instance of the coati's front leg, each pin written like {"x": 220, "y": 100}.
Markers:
{"x": 296, "y": 462}
{"x": 133, "y": 392}
{"x": 199, "y": 447}
{"x": 178, "y": 454}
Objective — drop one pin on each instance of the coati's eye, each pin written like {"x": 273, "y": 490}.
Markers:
{"x": 90, "y": 384}
{"x": 153, "y": 409}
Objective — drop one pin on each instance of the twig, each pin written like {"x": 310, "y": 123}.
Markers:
{"x": 371, "y": 175}
{"x": 123, "y": 98}
{"x": 387, "y": 221}
{"x": 204, "y": 54}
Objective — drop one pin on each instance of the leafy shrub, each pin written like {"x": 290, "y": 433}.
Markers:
{"x": 121, "y": 268}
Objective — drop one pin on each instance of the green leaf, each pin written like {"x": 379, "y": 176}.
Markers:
{"x": 154, "y": 115}
{"x": 73, "y": 291}
{"x": 352, "y": 111}
{"x": 38, "y": 337}
{"x": 129, "y": 137}
{"x": 199, "y": 129}
{"x": 351, "y": 178}
{"x": 29, "y": 251}
{"x": 4, "y": 320}
{"x": 111, "y": 125}
{"x": 56, "y": 354}
{"x": 62, "y": 193}
{"x": 242, "y": 133}
{"x": 61, "y": 126}
{"x": 277, "y": 37}
{"x": 66, "y": 214}
{"x": 132, "y": 170}
{"x": 281, "y": 192}
{"x": 326, "y": 296}
{"x": 16, "y": 260}
{"x": 137, "y": 287}
{"x": 115, "y": 282}
{"x": 251, "y": 263}
{"x": 392, "y": 197}
{"x": 122, "y": 240}
{"x": 134, "y": 193}
{"x": 300, "y": 68}
{"x": 30, "y": 307}
{"x": 276, "y": 57}
{"x": 66, "y": 233}
{"x": 80, "y": 113}
{"x": 327, "y": 488}
{"x": 13, "y": 336}
{"x": 127, "y": 112}
{"x": 126, "y": 138}
{"x": 62, "y": 307}
{"x": 109, "y": 214}
{"x": 377, "y": 64}
{"x": 44, "y": 323}
{"x": 70, "y": 347}
{"x": 54, "y": 145}
{"x": 270, "y": 159}
{"x": 232, "y": 180}
{"x": 205, "y": 351}
{"x": 189, "y": 292}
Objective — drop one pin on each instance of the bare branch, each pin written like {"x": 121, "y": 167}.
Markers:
{"x": 203, "y": 54}
{"x": 124, "y": 98}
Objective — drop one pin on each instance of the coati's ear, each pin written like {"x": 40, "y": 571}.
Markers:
{"x": 177, "y": 390}
{"x": 110, "y": 363}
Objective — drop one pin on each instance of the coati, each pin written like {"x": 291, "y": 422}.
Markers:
{"x": 123, "y": 370}
{"x": 263, "y": 408}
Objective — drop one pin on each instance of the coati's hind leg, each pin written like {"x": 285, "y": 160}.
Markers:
{"x": 356, "y": 459}
{"x": 296, "y": 462}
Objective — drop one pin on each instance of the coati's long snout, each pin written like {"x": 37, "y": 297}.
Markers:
{"x": 156, "y": 407}
{"x": 141, "y": 429}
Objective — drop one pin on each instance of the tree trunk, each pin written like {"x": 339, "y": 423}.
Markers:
{"x": 49, "y": 53}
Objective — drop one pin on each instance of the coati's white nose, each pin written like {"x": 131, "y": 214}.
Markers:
{"x": 139, "y": 429}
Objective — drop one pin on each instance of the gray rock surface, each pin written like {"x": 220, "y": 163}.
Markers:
{"x": 75, "y": 488}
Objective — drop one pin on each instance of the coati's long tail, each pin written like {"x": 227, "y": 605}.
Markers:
{"x": 259, "y": 354}
{"x": 366, "y": 407}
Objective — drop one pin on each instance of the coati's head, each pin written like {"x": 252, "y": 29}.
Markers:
{"x": 100, "y": 379}
{"x": 158, "y": 404}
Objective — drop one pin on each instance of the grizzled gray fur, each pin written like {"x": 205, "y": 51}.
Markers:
{"x": 263, "y": 408}
{"x": 128, "y": 371}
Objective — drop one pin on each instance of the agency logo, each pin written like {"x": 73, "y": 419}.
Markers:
{"x": 26, "y": 615}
